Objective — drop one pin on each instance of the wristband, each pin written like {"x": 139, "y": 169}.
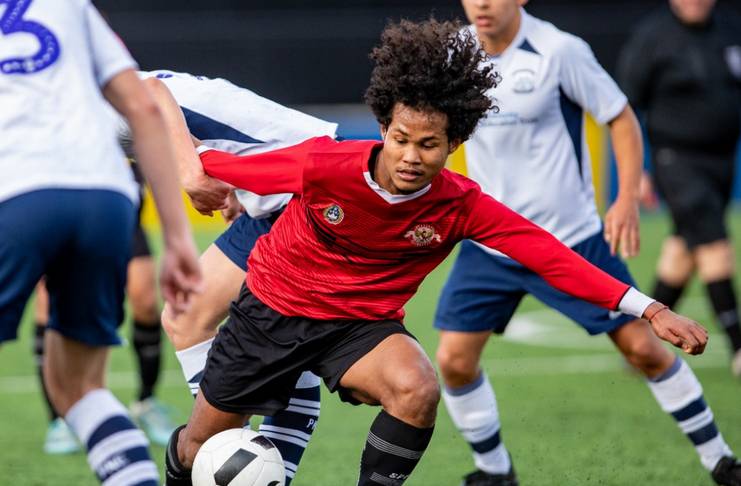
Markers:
{"x": 662, "y": 308}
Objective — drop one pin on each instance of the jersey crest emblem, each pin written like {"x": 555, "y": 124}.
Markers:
{"x": 333, "y": 214}
{"x": 423, "y": 235}
{"x": 524, "y": 81}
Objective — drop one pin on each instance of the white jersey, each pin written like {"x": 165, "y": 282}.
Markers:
{"x": 233, "y": 119}
{"x": 55, "y": 56}
{"x": 532, "y": 155}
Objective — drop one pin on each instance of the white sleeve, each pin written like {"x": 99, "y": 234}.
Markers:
{"x": 109, "y": 54}
{"x": 258, "y": 207}
{"x": 586, "y": 83}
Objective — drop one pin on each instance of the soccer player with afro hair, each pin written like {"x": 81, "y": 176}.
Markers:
{"x": 325, "y": 289}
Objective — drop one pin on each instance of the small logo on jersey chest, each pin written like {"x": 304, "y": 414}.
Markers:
{"x": 423, "y": 235}
{"x": 523, "y": 81}
{"x": 333, "y": 214}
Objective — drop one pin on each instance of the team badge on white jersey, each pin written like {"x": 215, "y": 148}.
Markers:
{"x": 524, "y": 81}
{"x": 423, "y": 235}
{"x": 333, "y": 214}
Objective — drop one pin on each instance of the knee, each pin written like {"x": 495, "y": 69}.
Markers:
{"x": 676, "y": 263}
{"x": 715, "y": 261}
{"x": 413, "y": 398}
{"x": 457, "y": 367}
{"x": 647, "y": 354}
{"x": 144, "y": 305}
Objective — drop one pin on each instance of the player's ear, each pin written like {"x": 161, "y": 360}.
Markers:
{"x": 384, "y": 130}
{"x": 454, "y": 144}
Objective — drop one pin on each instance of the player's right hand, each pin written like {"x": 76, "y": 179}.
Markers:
{"x": 681, "y": 331}
{"x": 180, "y": 273}
{"x": 207, "y": 194}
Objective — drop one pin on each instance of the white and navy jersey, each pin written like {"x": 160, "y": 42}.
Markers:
{"x": 234, "y": 119}
{"x": 531, "y": 154}
{"x": 55, "y": 57}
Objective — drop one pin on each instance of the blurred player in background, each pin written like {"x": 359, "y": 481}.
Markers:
{"x": 67, "y": 207}
{"x": 369, "y": 220}
{"x": 146, "y": 340}
{"x": 236, "y": 120}
{"x": 530, "y": 154}
{"x": 682, "y": 68}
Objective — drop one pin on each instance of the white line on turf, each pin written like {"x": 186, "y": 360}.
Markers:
{"x": 543, "y": 328}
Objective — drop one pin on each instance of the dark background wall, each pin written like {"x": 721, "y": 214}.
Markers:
{"x": 299, "y": 52}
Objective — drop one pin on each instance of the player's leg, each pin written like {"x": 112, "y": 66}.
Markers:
{"x": 715, "y": 265}
{"x": 697, "y": 188}
{"x": 86, "y": 287}
{"x": 397, "y": 375}
{"x": 59, "y": 438}
{"x": 673, "y": 271}
{"x": 224, "y": 267}
{"x": 480, "y": 296}
{"x": 674, "y": 385}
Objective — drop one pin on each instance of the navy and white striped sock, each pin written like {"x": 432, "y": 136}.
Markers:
{"x": 473, "y": 409}
{"x": 116, "y": 450}
{"x": 291, "y": 429}
{"x": 679, "y": 393}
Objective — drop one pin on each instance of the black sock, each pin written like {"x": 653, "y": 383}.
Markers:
{"x": 723, "y": 298}
{"x": 667, "y": 294}
{"x": 38, "y": 352}
{"x": 392, "y": 451}
{"x": 147, "y": 344}
{"x": 175, "y": 473}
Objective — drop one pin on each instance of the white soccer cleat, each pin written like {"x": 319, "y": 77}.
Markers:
{"x": 60, "y": 439}
{"x": 154, "y": 418}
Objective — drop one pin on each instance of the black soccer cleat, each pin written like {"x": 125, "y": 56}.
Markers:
{"x": 727, "y": 472}
{"x": 481, "y": 478}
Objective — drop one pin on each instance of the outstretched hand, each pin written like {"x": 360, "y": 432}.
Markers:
{"x": 681, "y": 331}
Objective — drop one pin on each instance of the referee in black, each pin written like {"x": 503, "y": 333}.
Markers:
{"x": 682, "y": 69}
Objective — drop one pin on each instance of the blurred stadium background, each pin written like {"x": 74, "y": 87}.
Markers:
{"x": 572, "y": 413}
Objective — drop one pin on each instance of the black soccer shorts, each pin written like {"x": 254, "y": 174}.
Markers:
{"x": 259, "y": 354}
{"x": 697, "y": 189}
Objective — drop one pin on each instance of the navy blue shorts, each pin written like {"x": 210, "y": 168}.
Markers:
{"x": 484, "y": 290}
{"x": 81, "y": 241}
{"x": 240, "y": 237}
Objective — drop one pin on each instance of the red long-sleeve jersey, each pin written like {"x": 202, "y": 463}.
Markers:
{"x": 346, "y": 249}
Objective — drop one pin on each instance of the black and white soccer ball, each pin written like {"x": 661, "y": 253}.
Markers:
{"x": 238, "y": 457}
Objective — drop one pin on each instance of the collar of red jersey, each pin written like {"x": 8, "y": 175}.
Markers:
{"x": 393, "y": 198}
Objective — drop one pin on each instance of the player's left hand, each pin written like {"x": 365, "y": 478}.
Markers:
{"x": 180, "y": 273}
{"x": 622, "y": 230}
{"x": 682, "y": 332}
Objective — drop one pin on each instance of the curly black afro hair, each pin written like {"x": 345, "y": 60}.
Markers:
{"x": 431, "y": 66}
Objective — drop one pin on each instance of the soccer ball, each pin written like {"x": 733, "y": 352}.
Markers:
{"x": 238, "y": 457}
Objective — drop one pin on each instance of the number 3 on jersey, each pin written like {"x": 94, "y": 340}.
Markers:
{"x": 12, "y": 22}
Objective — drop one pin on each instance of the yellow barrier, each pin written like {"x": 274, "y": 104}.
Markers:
{"x": 150, "y": 220}
{"x": 596, "y": 137}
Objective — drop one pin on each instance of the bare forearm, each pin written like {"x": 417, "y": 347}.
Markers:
{"x": 188, "y": 164}
{"x": 152, "y": 147}
{"x": 627, "y": 143}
